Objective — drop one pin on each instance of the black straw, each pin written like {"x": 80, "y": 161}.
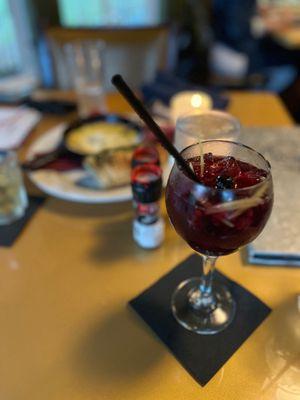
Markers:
{"x": 140, "y": 109}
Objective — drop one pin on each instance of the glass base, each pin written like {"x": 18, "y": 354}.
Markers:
{"x": 12, "y": 217}
{"x": 13, "y": 207}
{"x": 203, "y": 315}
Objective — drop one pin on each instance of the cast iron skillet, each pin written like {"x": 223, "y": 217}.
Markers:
{"x": 62, "y": 149}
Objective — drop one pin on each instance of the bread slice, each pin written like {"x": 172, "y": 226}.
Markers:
{"x": 110, "y": 168}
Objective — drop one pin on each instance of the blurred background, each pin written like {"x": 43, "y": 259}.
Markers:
{"x": 225, "y": 44}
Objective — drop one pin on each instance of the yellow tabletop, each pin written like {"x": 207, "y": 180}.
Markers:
{"x": 66, "y": 331}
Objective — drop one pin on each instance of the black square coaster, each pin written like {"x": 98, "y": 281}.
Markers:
{"x": 201, "y": 355}
{"x": 9, "y": 233}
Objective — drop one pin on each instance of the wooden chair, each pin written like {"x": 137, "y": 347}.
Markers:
{"x": 136, "y": 53}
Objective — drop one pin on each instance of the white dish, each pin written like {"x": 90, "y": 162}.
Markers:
{"x": 62, "y": 184}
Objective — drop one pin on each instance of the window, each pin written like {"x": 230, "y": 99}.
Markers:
{"x": 10, "y": 56}
{"x": 16, "y": 39}
{"x": 92, "y": 13}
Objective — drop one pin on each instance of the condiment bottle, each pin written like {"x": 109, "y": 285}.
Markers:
{"x": 148, "y": 226}
{"x": 145, "y": 154}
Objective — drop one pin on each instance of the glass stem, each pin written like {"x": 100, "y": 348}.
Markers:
{"x": 209, "y": 263}
{"x": 202, "y": 299}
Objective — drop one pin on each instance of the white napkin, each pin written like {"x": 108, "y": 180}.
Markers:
{"x": 15, "y": 125}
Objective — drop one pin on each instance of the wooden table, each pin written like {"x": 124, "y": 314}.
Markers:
{"x": 65, "y": 329}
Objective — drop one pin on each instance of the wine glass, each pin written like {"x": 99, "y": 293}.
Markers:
{"x": 208, "y": 125}
{"x": 225, "y": 209}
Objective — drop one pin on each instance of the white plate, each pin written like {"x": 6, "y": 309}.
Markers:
{"x": 62, "y": 184}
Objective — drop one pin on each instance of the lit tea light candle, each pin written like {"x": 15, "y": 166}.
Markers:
{"x": 196, "y": 100}
{"x": 190, "y": 102}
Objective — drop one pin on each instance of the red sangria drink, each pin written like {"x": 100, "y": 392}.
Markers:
{"x": 225, "y": 208}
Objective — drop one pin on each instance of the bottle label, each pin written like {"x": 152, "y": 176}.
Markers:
{"x": 149, "y": 236}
